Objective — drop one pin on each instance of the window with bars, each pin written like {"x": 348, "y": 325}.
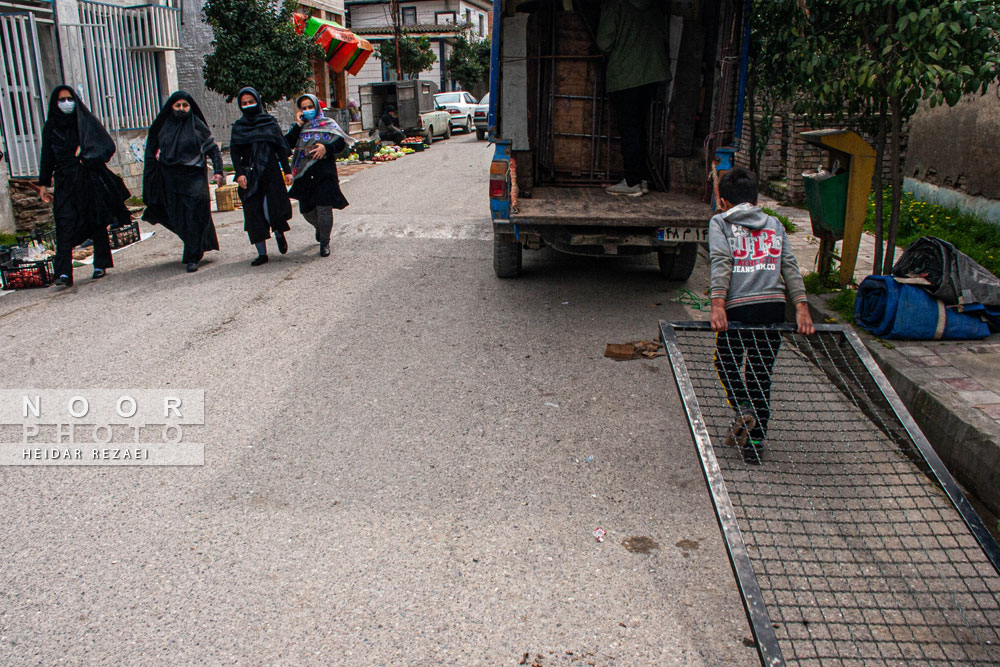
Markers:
{"x": 121, "y": 52}
{"x": 409, "y": 16}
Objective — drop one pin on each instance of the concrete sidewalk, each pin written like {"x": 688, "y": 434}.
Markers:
{"x": 952, "y": 388}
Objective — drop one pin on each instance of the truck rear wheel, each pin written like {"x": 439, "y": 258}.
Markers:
{"x": 429, "y": 137}
{"x": 678, "y": 263}
{"x": 506, "y": 258}
{"x": 480, "y": 134}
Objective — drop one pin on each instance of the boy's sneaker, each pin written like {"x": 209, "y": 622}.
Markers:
{"x": 624, "y": 189}
{"x": 739, "y": 433}
{"x": 752, "y": 452}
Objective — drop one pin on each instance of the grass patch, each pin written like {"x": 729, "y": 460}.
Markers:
{"x": 134, "y": 201}
{"x": 843, "y": 304}
{"x": 8, "y": 239}
{"x": 789, "y": 226}
{"x": 816, "y": 285}
{"x": 977, "y": 238}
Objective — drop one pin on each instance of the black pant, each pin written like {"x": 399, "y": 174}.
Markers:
{"x": 392, "y": 136}
{"x": 744, "y": 359}
{"x": 632, "y": 111}
{"x": 65, "y": 237}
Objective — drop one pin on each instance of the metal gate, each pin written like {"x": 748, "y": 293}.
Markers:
{"x": 22, "y": 110}
{"x": 850, "y": 541}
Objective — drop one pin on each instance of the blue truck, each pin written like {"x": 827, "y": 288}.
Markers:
{"x": 556, "y": 143}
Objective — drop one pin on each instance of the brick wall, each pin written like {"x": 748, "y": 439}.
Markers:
{"x": 787, "y": 156}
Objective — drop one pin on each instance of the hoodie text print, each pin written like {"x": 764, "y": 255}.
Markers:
{"x": 751, "y": 259}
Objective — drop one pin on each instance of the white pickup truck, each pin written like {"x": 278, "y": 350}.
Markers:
{"x": 419, "y": 114}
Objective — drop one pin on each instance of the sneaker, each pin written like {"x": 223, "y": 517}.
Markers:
{"x": 282, "y": 243}
{"x": 645, "y": 187}
{"x": 192, "y": 267}
{"x": 261, "y": 259}
{"x": 64, "y": 280}
{"x": 624, "y": 189}
{"x": 324, "y": 249}
{"x": 739, "y": 433}
{"x": 98, "y": 273}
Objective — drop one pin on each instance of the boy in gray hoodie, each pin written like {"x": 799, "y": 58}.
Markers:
{"x": 752, "y": 269}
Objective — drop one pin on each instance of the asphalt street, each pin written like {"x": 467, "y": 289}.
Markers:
{"x": 406, "y": 457}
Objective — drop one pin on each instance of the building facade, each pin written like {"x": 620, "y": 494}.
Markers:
{"x": 120, "y": 57}
{"x": 196, "y": 39}
{"x": 443, "y": 21}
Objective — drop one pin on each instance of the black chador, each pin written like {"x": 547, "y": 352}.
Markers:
{"x": 88, "y": 196}
{"x": 174, "y": 183}
{"x": 260, "y": 156}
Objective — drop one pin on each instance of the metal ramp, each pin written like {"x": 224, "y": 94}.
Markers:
{"x": 850, "y": 541}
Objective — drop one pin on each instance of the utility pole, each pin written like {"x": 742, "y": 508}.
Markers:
{"x": 394, "y": 6}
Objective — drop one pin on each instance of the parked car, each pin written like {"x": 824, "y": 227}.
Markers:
{"x": 436, "y": 123}
{"x": 419, "y": 114}
{"x": 461, "y": 105}
{"x": 480, "y": 117}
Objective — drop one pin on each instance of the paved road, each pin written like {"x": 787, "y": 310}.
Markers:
{"x": 397, "y": 452}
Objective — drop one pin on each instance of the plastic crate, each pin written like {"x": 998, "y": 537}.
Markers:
{"x": 46, "y": 237}
{"x": 124, "y": 235}
{"x": 24, "y": 275}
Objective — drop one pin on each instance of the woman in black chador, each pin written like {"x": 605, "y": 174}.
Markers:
{"x": 88, "y": 196}
{"x": 317, "y": 140}
{"x": 260, "y": 155}
{"x": 174, "y": 187}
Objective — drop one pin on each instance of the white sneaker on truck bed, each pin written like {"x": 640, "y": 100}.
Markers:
{"x": 624, "y": 189}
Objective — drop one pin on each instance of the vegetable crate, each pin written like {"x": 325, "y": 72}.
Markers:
{"x": 21, "y": 275}
{"x": 124, "y": 235}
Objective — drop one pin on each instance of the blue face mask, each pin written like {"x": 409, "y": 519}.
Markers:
{"x": 309, "y": 114}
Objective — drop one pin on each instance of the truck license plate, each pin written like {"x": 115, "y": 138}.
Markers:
{"x": 684, "y": 234}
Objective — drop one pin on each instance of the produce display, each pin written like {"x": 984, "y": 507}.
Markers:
{"x": 411, "y": 140}
{"x": 389, "y": 153}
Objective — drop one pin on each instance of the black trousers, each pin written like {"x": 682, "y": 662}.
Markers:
{"x": 66, "y": 240}
{"x": 745, "y": 360}
{"x": 632, "y": 111}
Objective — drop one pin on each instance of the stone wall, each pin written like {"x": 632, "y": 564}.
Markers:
{"x": 29, "y": 210}
{"x": 956, "y": 147}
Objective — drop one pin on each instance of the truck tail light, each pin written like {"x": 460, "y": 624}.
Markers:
{"x": 499, "y": 170}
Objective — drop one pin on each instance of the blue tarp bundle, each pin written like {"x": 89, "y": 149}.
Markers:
{"x": 890, "y": 309}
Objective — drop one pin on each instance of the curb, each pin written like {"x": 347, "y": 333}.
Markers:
{"x": 966, "y": 440}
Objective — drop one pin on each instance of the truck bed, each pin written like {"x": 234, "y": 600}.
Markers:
{"x": 593, "y": 206}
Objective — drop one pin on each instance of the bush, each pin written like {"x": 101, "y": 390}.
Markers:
{"x": 977, "y": 238}
{"x": 843, "y": 304}
{"x": 789, "y": 226}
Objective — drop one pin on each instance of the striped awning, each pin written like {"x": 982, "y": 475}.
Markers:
{"x": 344, "y": 50}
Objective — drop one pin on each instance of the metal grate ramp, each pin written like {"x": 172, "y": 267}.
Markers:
{"x": 850, "y": 541}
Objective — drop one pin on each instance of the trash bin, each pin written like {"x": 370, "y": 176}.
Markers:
{"x": 826, "y": 198}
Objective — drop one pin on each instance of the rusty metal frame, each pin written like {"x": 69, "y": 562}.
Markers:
{"x": 922, "y": 451}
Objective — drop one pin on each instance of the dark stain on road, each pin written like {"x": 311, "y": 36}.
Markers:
{"x": 687, "y": 546}
{"x": 639, "y": 544}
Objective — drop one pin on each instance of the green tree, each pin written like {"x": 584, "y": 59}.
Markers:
{"x": 469, "y": 63}
{"x": 255, "y": 44}
{"x": 416, "y": 54}
{"x": 877, "y": 60}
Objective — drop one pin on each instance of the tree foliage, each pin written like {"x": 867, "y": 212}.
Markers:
{"x": 469, "y": 63}
{"x": 416, "y": 54}
{"x": 255, "y": 44}
{"x": 877, "y": 61}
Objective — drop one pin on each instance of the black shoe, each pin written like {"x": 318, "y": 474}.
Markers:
{"x": 261, "y": 259}
{"x": 64, "y": 280}
{"x": 98, "y": 273}
{"x": 324, "y": 249}
{"x": 192, "y": 267}
{"x": 282, "y": 243}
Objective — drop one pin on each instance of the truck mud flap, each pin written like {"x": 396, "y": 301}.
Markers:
{"x": 850, "y": 541}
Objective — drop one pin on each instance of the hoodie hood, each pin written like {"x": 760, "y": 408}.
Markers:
{"x": 746, "y": 215}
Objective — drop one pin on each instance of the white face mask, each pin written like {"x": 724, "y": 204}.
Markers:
{"x": 66, "y": 106}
